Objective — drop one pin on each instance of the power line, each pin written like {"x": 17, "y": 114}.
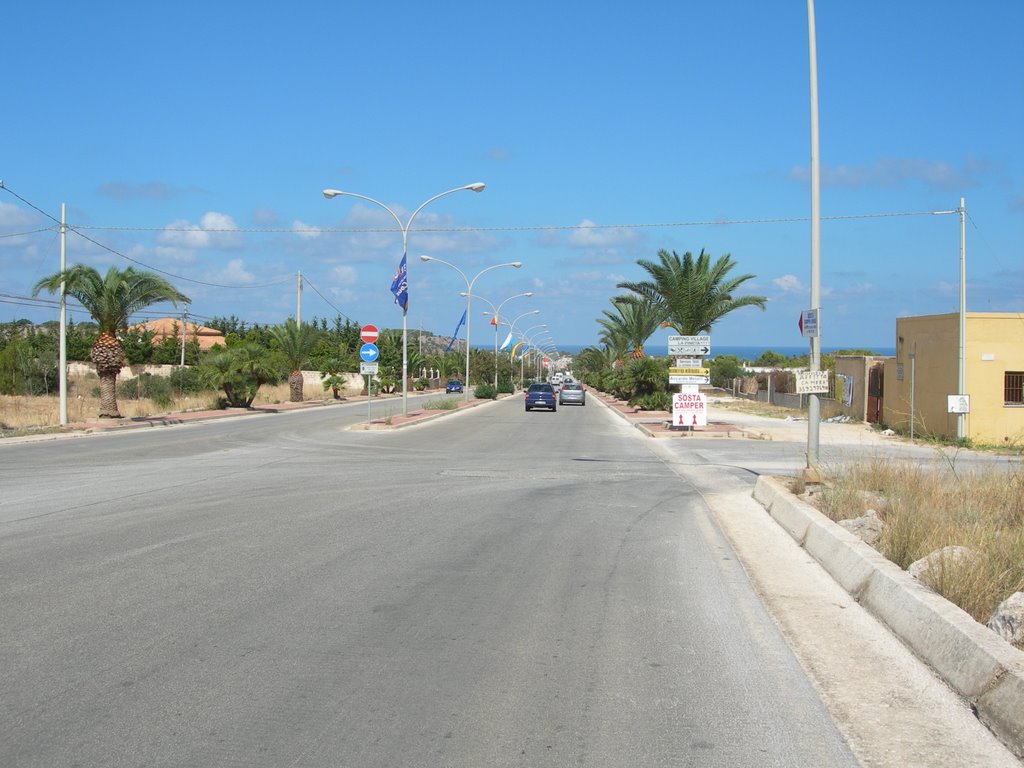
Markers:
{"x": 317, "y": 291}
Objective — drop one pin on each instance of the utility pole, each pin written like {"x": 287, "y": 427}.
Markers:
{"x": 813, "y": 403}
{"x": 184, "y": 332}
{"x": 962, "y": 361}
{"x": 63, "y": 359}
{"x": 298, "y": 302}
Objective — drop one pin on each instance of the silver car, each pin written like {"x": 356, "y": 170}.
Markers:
{"x": 572, "y": 392}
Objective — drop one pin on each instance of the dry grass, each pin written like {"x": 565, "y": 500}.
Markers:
{"x": 28, "y": 413}
{"x": 928, "y": 507}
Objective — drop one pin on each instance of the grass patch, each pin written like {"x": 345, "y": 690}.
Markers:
{"x": 926, "y": 507}
{"x": 442, "y": 404}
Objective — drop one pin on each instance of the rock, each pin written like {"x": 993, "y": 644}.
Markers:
{"x": 888, "y": 432}
{"x": 868, "y": 527}
{"x": 930, "y": 567}
{"x": 1008, "y": 620}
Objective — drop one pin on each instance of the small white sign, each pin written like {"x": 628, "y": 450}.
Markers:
{"x": 958, "y": 403}
{"x": 368, "y": 369}
{"x": 809, "y": 323}
{"x": 689, "y": 362}
{"x": 811, "y": 382}
{"x": 689, "y": 409}
{"x": 672, "y": 379}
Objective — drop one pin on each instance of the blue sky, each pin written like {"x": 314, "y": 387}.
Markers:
{"x": 196, "y": 138}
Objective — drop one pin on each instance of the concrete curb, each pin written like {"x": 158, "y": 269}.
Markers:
{"x": 979, "y": 665}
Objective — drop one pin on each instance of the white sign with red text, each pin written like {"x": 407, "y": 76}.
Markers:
{"x": 689, "y": 409}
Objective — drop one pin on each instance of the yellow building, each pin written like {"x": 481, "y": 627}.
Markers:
{"x": 925, "y": 372}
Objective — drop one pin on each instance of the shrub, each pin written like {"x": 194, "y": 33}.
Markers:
{"x": 653, "y": 401}
{"x": 420, "y": 384}
{"x": 442, "y": 404}
{"x": 485, "y": 392}
{"x": 506, "y": 387}
{"x": 149, "y": 387}
{"x": 187, "y": 381}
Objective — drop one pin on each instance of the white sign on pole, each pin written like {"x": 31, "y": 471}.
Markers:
{"x": 689, "y": 409}
{"x": 958, "y": 403}
{"x": 809, "y": 323}
{"x": 368, "y": 369}
{"x": 688, "y": 345}
{"x": 689, "y": 362}
{"x": 673, "y": 379}
{"x": 811, "y": 382}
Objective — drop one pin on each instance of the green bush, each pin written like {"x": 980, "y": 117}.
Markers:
{"x": 420, "y": 384}
{"x": 506, "y": 387}
{"x": 149, "y": 387}
{"x": 653, "y": 401}
{"x": 485, "y": 392}
{"x": 442, "y": 404}
{"x": 186, "y": 380}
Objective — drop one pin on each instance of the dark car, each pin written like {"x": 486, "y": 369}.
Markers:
{"x": 541, "y": 396}
{"x": 571, "y": 392}
{"x": 453, "y": 386}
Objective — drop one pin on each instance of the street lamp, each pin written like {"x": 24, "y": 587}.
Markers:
{"x": 477, "y": 186}
{"x": 497, "y": 320}
{"x": 529, "y": 345}
{"x": 469, "y": 300}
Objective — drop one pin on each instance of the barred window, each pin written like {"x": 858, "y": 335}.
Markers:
{"x": 1013, "y": 388}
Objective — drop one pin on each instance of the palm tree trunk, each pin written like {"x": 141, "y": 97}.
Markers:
{"x": 108, "y": 358}
{"x": 295, "y": 382}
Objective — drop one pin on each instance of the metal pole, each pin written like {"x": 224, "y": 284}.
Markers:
{"x": 913, "y": 385}
{"x": 184, "y": 332}
{"x": 469, "y": 300}
{"x": 813, "y": 403}
{"x": 298, "y": 302}
{"x": 962, "y": 362}
{"x": 495, "y": 352}
{"x": 63, "y": 360}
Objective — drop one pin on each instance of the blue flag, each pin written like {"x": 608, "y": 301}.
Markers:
{"x": 400, "y": 286}
{"x": 455, "y": 335}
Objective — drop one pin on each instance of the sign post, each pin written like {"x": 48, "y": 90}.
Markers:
{"x": 368, "y": 354}
{"x": 369, "y": 334}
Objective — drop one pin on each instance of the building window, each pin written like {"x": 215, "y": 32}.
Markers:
{"x": 1013, "y": 388}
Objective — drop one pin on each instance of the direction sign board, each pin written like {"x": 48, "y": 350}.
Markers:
{"x": 689, "y": 379}
{"x": 688, "y": 345}
{"x": 689, "y": 362}
{"x": 368, "y": 369}
{"x": 689, "y": 409}
{"x": 368, "y": 353}
{"x": 811, "y": 382}
{"x": 809, "y": 323}
{"x": 369, "y": 333}
{"x": 689, "y": 371}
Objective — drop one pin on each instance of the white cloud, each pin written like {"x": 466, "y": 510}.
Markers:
{"x": 788, "y": 283}
{"x": 305, "y": 231}
{"x": 215, "y": 230}
{"x": 590, "y": 235}
{"x": 234, "y": 273}
{"x": 894, "y": 171}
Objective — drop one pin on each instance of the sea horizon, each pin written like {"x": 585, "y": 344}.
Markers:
{"x": 751, "y": 352}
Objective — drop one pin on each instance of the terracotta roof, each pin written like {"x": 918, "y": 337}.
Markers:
{"x": 171, "y": 326}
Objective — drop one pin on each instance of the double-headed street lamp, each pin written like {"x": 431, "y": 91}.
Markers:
{"x": 404, "y": 227}
{"x": 469, "y": 300}
{"x": 496, "y": 315}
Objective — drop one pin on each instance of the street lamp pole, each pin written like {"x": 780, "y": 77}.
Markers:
{"x": 497, "y": 321}
{"x": 469, "y": 300}
{"x": 404, "y": 228}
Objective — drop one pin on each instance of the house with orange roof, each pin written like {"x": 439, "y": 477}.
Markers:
{"x": 171, "y": 327}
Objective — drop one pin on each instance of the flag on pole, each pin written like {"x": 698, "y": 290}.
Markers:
{"x": 494, "y": 319}
{"x": 506, "y": 342}
{"x": 400, "y": 286}
{"x": 455, "y": 335}
{"x": 516, "y": 349}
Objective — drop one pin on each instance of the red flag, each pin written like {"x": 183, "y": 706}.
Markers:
{"x": 494, "y": 320}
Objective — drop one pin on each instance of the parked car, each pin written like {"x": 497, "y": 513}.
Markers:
{"x": 541, "y": 396}
{"x": 453, "y": 385}
{"x": 571, "y": 392}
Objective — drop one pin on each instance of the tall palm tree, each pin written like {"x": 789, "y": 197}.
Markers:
{"x": 295, "y": 342}
{"x": 692, "y": 294}
{"x": 633, "y": 323}
{"x": 110, "y": 300}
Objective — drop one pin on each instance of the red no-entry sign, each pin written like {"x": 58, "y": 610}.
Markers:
{"x": 368, "y": 333}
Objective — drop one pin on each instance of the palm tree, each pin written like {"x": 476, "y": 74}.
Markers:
{"x": 692, "y": 295}
{"x": 239, "y": 371}
{"x": 110, "y": 300}
{"x": 295, "y": 342}
{"x": 636, "y": 320}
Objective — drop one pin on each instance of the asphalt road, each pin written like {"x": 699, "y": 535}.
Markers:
{"x": 496, "y": 588}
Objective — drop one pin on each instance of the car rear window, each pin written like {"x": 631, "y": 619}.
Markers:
{"x": 541, "y": 388}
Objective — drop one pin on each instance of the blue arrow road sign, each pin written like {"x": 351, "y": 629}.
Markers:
{"x": 369, "y": 352}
